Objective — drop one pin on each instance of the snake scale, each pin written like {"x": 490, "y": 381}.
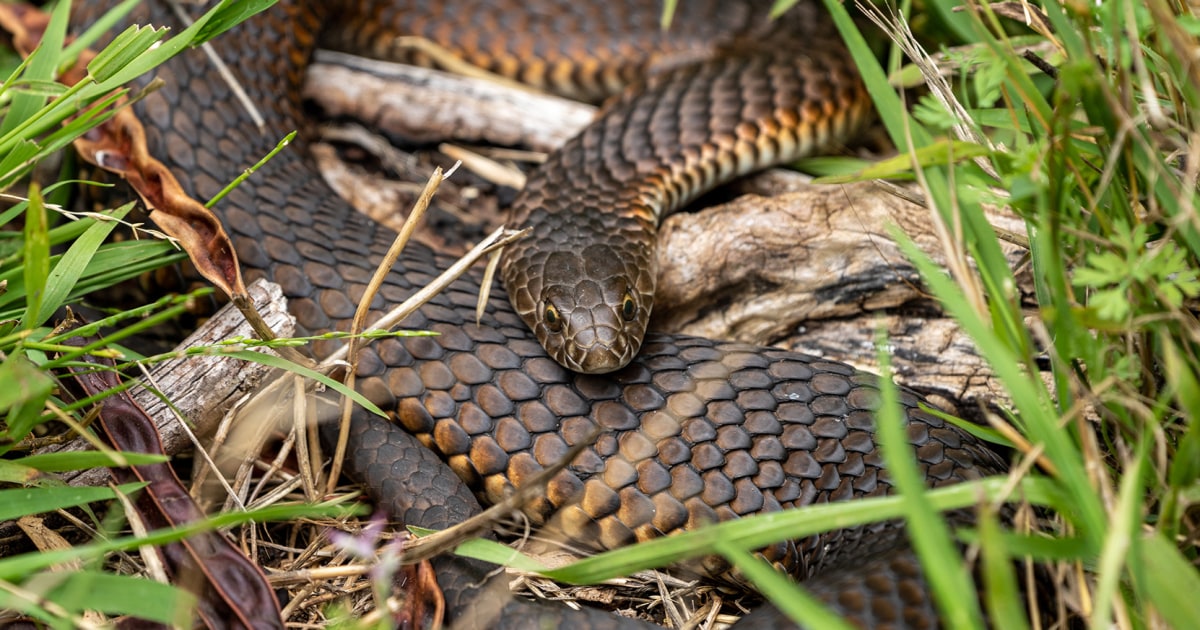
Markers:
{"x": 692, "y": 430}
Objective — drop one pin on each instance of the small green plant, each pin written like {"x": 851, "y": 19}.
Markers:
{"x": 1078, "y": 114}
{"x": 1130, "y": 274}
{"x": 50, "y": 258}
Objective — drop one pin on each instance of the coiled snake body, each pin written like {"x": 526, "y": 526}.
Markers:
{"x": 693, "y": 430}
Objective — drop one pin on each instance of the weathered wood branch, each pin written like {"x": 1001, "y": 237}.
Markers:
{"x": 202, "y": 388}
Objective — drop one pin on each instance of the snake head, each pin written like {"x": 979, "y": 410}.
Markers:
{"x": 588, "y": 308}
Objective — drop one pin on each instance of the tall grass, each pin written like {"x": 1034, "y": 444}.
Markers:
{"x": 1081, "y": 118}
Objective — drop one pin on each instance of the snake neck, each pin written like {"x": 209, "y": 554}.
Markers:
{"x": 594, "y": 207}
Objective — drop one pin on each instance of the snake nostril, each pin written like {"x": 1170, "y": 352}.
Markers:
{"x": 600, "y": 361}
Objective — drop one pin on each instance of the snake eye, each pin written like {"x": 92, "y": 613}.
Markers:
{"x": 628, "y": 307}
{"x": 552, "y": 318}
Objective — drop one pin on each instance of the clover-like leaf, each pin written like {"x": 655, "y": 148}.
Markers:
{"x": 1111, "y": 304}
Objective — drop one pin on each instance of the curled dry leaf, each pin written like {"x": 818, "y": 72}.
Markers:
{"x": 119, "y": 146}
{"x": 424, "y": 599}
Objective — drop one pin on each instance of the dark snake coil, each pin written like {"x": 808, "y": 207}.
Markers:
{"x": 693, "y": 430}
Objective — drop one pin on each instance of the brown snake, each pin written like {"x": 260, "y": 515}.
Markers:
{"x": 768, "y": 93}
{"x": 693, "y": 430}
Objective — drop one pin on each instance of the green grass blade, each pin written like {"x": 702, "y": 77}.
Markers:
{"x": 954, "y": 590}
{"x": 1117, "y": 545}
{"x": 283, "y": 364}
{"x": 15, "y": 567}
{"x": 125, "y": 48}
{"x": 223, "y": 16}
{"x": 1167, "y": 580}
{"x": 1000, "y": 593}
{"x": 758, "y": 531}
{"x": 891, "y": 110}
{"x": 228, "y": 15}
{"x": 77, "y": 592}
{"x": 94, "y": 32}
{"x": 491, "y": 551}
{"x": 112, "y": 263}
{"x": 791, "y": 599}
{"x": 43, "y": 63}
{"x": 1028, "y": 394}
{"x": 37, "y": 257}
{"x": 72, "y": 265}
{"x": 83, "y": 460}
{"x": 18, "y": 502}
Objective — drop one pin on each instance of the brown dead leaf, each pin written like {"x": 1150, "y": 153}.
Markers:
{"x": 119, "y": 146}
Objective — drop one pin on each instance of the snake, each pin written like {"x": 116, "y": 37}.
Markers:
{"x": 692, "y": 430}
{"x": 772, "y": 91}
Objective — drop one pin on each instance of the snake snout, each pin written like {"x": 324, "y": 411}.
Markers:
{"x": 599, "y": 340}
{"x": 601, "y": 360}
{"x": 597, "y": 337}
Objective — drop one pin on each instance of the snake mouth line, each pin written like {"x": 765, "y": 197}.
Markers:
{"x": 599, "y": 358}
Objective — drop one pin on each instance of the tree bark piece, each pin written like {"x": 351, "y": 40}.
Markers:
{"x": 814, "y": 268}
{"x": 201, "y": 387}
{"x": 423, "y": 105}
